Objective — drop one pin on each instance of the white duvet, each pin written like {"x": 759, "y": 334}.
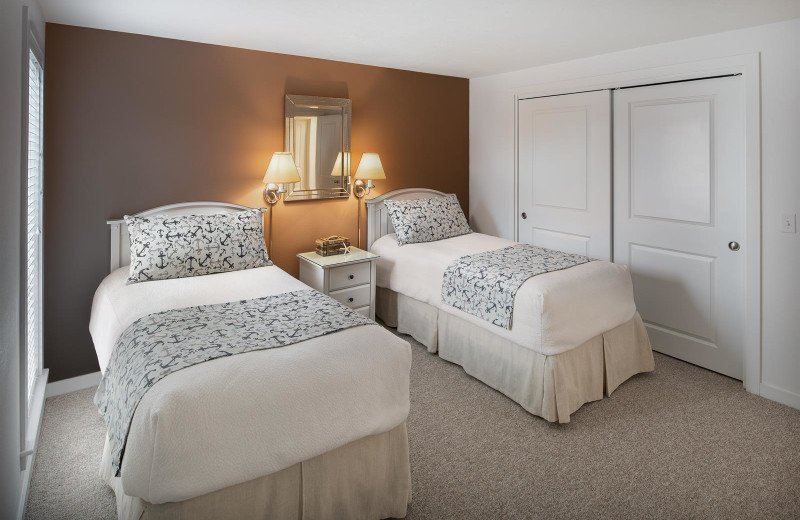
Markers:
{"x": 553, "y": 312}
{"x": 237, "y": 418}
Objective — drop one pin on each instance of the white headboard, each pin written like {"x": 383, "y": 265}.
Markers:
{"x": 121, "y": 240}
{"x": 378, "y": 222}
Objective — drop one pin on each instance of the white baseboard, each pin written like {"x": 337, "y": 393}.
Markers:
{"x": 780, "y": 395}
{"x": 72, "y": 384}
{"x": 32, "y": 440}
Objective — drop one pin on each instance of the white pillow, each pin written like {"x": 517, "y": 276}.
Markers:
{"x": 179, "y": 246}
{"x": 427, "y": 220}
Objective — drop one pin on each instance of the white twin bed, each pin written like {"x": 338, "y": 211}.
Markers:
{"x": 309, "y": 430}
{"x": 575, "y": 336}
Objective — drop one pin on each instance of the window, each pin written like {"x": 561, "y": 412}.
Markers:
{"x": 33, "y": 256}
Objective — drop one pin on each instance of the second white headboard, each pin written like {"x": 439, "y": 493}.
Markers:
{"x": 378, "y": 222}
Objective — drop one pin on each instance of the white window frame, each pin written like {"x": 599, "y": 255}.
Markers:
{"x": 29, "y": 385}
{"x": 31, "y": 403}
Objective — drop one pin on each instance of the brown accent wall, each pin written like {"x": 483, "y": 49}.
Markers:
{"x": 133, "y": 122}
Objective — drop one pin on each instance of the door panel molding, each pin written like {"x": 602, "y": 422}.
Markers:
{"x": 664, "y": 201}
{"x": 694, "y": 298}
{"x": 573, "y": 169}
{"x": 561, "y": 241}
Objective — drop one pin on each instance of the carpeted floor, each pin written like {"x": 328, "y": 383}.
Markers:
{"x": 681, "y": 442}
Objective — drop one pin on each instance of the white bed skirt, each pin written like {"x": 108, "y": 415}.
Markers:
{"x": 367, "y": 479}
{"x": 409, "y": 316}
{"x": 551, "y": 387}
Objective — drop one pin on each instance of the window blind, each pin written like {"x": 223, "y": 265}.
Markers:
{"x": 33, "y": 298}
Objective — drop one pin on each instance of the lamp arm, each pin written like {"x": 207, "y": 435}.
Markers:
{"x": 360, "y": 190}
{"x": 272, "y": 194}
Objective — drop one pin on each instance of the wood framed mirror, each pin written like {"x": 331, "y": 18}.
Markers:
{"x": 317, "y": 133}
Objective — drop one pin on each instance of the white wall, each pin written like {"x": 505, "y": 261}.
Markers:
{"x": 11, "y": 98}
{"x": 492, "y": 165}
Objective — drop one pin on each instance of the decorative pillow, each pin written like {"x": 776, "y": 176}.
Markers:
{"x": 179, "y": 246}
{"x": 426, "y": 220}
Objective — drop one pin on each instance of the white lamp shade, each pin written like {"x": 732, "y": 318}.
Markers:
{"x": 370, "y": 167}
{"x": 281, "y": 169}
{"x": 337, "y": 166}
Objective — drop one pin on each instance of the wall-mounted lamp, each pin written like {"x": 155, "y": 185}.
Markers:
{"x": 369, "y": 169}
{"x": 281, "y": 171}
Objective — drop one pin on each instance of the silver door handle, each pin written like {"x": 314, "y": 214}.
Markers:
{"x": 733, "y": 246}
{"x": 524, "y": 215}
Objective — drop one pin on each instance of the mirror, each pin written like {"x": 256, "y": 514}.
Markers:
{"x": 318, "y": 135}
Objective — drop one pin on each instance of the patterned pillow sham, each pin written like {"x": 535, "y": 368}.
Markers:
{"x": 427, "y": 220}
{"x": 179, "y": 246}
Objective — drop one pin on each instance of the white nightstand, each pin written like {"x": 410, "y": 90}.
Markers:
{"x": 349, "y": 278}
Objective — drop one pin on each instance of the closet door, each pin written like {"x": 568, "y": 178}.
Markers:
{"x": 679, "y": 215}
{"x": 565, "y": 173}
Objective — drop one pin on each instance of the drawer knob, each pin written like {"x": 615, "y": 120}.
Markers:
{"x": 352, "y": 276}
{"x": 350, "y": 299}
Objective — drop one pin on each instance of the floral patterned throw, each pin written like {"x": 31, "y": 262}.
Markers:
{"x": 164, "y": 342}
{"x": 484, "y": 284}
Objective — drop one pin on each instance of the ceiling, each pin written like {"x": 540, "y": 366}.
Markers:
{"x": 467, "y": 38}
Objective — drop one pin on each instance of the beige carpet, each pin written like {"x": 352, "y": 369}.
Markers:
{"x": 681, "y": 442}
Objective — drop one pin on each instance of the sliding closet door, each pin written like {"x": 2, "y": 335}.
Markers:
{"x": 679, "y": 215}
{"x": 565, "y": 173}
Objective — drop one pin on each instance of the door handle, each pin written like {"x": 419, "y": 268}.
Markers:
{"x": 524, "y": 215}
{"x": 733, "y": 246}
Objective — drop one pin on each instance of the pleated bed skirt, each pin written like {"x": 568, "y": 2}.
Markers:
{"x": 548, "y": 386}
{"x": 367, "y": 479}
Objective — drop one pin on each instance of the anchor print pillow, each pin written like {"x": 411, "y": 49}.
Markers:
{"x": 427, "y": 220}
{"x": 179, "y": 246}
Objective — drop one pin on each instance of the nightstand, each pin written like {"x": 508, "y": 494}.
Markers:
{"x": 349, "y": 278}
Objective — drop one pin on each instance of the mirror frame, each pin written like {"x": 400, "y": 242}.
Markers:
{"x": 293, "y": 101}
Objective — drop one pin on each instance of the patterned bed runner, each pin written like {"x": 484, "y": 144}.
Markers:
{"x": 164, "y": 342}
{"x": 484, "y": 284}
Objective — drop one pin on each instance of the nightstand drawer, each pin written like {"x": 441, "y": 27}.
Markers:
{"x": 348, "y": 276}
{"x": 353, "y": 297}
{"x": 364, "y": 311}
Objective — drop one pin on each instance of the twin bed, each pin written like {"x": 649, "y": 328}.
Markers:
{"x": 317, "y": 428}
{"x": 575, "y": 336}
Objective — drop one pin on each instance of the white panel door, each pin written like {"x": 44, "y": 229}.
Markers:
{"x": 679, "y": 213}
{"x": 565, "y": 173}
